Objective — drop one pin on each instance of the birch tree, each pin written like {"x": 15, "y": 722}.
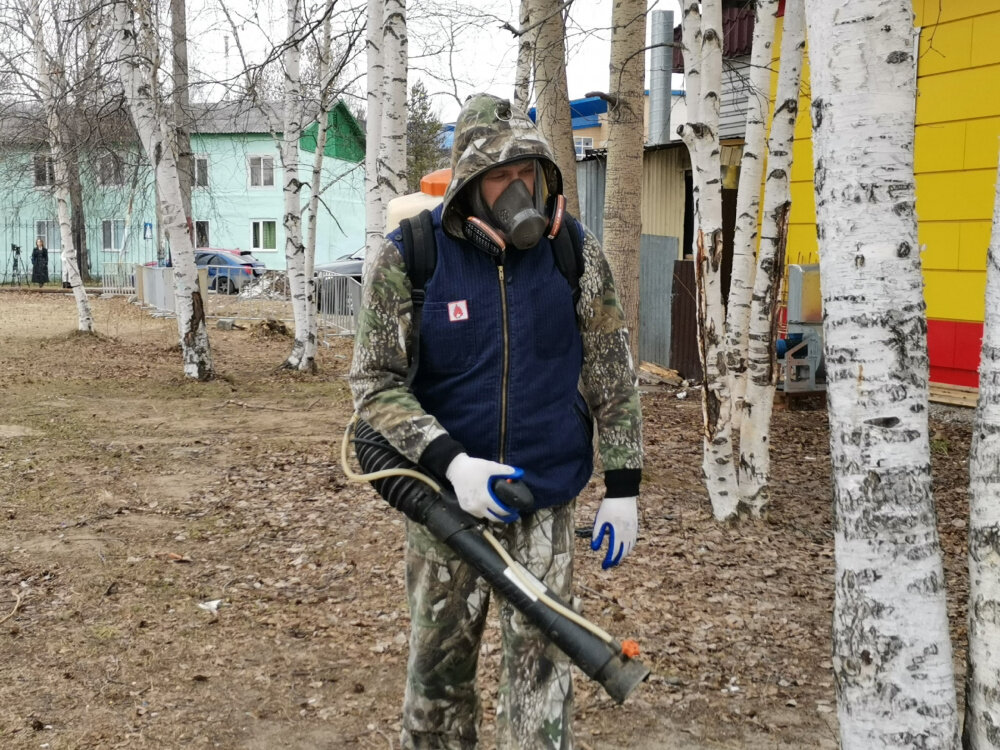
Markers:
{"x": 53, "y": 95}
{"x": 287, "y": 126}
{"x": 892, "y": 658}
{"x": 303, "y": 354}
{"x": 325, "y": 76}
{"x": 525, "y": 60}
{"x": 391, "y": 169}
{"x": 138, "y": 58}
{"x": 762, "y": 370}
{"x": 748, "y": 203}
{"x": 702, "y": 39}
{"x": 982, "y": 700}
{"x": 385, "y": 130}
{"x": 374, "y": 209}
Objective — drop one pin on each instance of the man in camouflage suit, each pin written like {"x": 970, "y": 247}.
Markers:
{"x": 511, "y": 374}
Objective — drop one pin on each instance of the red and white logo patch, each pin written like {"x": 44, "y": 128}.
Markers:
{"x": 458, "y": 311}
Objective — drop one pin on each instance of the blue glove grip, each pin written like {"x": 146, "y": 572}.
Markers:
{"x": 512, "y": 514}
{"x": 610, "y": 559}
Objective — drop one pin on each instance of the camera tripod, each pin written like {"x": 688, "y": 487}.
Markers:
{"x": 18, "y": 273}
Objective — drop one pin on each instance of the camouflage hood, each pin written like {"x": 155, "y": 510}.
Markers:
{"x": 490, "y": 131}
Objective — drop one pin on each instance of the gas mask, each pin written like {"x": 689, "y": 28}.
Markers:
{"x": 518, "y": 217}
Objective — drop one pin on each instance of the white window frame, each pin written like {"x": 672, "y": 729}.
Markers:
{"x": 581, "y": 143}
{"x": 260, "y": 233}
{"x": 208, "y": 233}
{"x": 196, "y": 172}
{"x": 115, "y": 170}
{"x": 50, "y": 171}
{"x": 116, "y": 227}
{"x": 48, "y": 231}
{"x": 250, "y": 171}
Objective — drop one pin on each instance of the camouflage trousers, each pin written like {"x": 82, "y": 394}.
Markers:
{"x": 448, "y": 606}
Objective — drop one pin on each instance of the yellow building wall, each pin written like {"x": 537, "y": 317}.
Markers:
{"x": 956, "y": 143}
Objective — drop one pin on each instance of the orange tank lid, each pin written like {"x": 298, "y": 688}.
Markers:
{"x": 436, "y": 182}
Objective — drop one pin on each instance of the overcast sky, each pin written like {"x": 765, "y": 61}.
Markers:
{"x": 489, "y": 57}
{"x": 482, "y": 58}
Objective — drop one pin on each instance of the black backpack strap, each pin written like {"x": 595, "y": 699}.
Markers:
{"x": 568, "y": 249}
{"x": 420, "y": 257}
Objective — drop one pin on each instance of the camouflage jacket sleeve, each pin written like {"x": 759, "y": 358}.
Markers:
{"x": 382, "y": 351}
{"x": 608, "y": 377}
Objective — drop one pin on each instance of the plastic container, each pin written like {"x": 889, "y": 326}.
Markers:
{"x": 432, "y": 189}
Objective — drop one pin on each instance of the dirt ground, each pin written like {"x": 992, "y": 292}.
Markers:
{"x": 131, "y": 498}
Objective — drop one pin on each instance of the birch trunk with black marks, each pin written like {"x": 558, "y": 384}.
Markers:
{"x": 982, "y": 678}
{"x": 762, "y": 367}
{"x": 391, "y": 173}
{"x": 374, "y": 208}
{"x": 303, "y": 354}
{"x": 623, "y": 192}
{"x": 136, "y": 51}
{"x": 748, "y": 203}
{"x": 702, "y": 39}
{"x": 53, "y": 98}
{"x": 552, "y": 93}
{"x": 316, "y": 179}
{"x": 892, "y": 658}
{"x": 525, "y": 60}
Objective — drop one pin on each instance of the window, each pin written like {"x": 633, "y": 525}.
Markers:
{"x": 45, "y": 173}
{"x": 201, "y": 234}
{"x": 109, "y": 171}
{"x": 264, "y": 236}
{"x": 583, "y": 142}
{"x": 200, "y": 171}
{"x": 261, "y": 171}
{"x": 48, "y": 232}
{"x": 113, "y": 234}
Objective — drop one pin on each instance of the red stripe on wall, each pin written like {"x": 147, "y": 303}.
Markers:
{"x": 954, "y": 347}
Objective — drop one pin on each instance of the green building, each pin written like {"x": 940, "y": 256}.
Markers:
{"x": 236, "y": 196}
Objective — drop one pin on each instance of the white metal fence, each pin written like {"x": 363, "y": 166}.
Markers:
{"x": 118, "y": 277}
{"x": 338, "y": 300}
{"x": 263, "y": 297}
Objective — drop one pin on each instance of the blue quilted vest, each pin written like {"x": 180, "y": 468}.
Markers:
{"x": 500, "y": 359}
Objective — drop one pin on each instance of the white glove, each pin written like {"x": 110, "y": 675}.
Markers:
{"x": 618, "y": 518}
{"x": 472, "y": 479}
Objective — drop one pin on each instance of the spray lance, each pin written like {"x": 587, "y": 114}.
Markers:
{"x": 420, "y": 498}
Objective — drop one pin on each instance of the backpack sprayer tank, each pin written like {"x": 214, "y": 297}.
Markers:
{"x": 432, "y": 189}
{"x": 592, "y": 650}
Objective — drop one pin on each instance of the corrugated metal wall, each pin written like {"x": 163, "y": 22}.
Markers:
{"x": 656, "y": 273}
{"x": 590, "y": 177}
{"x": 663, "y": 191}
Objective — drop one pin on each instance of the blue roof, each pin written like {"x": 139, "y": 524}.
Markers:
{"x": 447, "y": 136}
{"x": 585, "y": 112}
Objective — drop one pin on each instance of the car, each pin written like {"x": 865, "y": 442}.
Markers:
{"x": 228, "y": 270}
{"x": 346, "y": 265}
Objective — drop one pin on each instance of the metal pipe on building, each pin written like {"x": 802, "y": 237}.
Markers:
{"x": 660, "y": 76}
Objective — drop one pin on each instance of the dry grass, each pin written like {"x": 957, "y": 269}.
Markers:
{"x": 131, "y": 495}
